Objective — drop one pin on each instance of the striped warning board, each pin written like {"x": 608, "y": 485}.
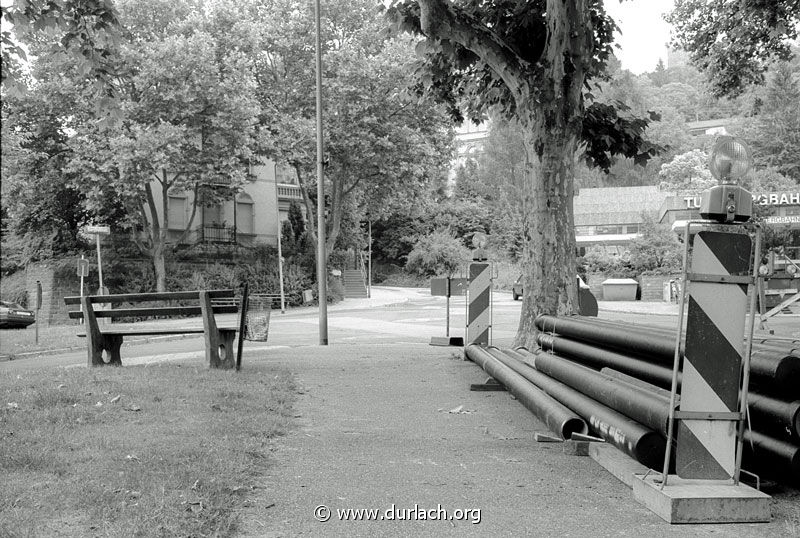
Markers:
{"x": 479, "y": 314}
{"x": 713, "y": 356}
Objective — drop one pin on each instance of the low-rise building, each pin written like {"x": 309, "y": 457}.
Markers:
{"x": 252, "y": 217}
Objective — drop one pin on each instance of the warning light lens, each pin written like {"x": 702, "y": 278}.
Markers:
{"x": 731, "y": 159}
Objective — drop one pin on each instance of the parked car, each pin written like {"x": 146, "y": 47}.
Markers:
{"x": 13, "y": 316}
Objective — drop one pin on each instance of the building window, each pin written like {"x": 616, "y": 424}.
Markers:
{"x": 609, "y": 230}
{"x": 245, "y": 215}
{"x": 176, "y": 212}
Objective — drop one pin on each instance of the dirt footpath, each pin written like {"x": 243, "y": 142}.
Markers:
{"x": 395, "y": 429}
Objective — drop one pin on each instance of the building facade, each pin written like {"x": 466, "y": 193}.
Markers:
{"x": 252, "y": 217}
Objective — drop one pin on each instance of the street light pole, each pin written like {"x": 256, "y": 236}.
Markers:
{"x": 322, "y": 277}
{"x": 280, "y": 249}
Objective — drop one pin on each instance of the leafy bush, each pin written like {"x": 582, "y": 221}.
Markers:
{"x": 657, "y": 250}
{"x": 599, "y": 260}
{"x": 437, "y": 254}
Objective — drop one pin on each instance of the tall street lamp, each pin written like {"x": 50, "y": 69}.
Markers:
{"x": 322, "y": 273}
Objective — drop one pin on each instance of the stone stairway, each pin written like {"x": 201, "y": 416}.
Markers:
{"x": 354, "y": 286}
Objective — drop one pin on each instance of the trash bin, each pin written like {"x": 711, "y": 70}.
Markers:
{"x": 308, "y": 296}
{"x": 257, "y": 318}
{"x": 619, "y": 289}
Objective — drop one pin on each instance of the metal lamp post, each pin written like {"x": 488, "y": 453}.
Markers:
{"x": 322, "y": 277}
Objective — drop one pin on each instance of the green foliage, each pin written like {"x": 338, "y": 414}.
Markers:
{"x": 383, "y": 147}
{"x": 599, "y": 260}
{"x": 437, "y": 254}
{"x": 87, "y": 31}
{"x": 656, "y": 250}
{"x": 687, "y": 173}
{"x": 774, "y": 133}
{"x": 733, "y": 42}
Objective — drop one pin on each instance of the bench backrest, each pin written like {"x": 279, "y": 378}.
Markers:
{"x": 227, "y": 295}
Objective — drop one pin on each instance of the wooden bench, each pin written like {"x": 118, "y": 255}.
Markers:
{"x": 104, "y": 342}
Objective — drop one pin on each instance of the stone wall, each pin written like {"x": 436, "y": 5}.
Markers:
{"x": 57, "y": 282}
{"x": 652, "y": 286}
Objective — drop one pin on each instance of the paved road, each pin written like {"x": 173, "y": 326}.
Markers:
{"x": 390, "y": 316}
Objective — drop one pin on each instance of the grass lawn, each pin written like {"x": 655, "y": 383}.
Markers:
{"x": 15, "y": 341}
{"x": 164, "y": 450}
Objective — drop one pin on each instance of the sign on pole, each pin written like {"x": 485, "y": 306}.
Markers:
{"x": 101, "y": 230}
{"x": 83, "y": 267}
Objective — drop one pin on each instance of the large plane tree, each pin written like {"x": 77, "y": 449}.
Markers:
{"x": 533, "y": 62}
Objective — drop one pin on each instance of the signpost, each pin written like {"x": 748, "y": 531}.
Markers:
{"x": 98, "y": 231}
{"x": 38, "y": 308}
{"x": 83, "y": 270}
{"x": 447, "y": 287}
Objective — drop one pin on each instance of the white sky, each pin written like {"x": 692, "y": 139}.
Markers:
{"x": 644, "y": 32}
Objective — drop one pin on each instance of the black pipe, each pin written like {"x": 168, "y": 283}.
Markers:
{"x": 555, "y": 415}
{"x": 775, "y": 458}
{"x": 598, "y": 357}
{"x": 779, "y": 348}
{"x": 777, "y": 372}
{"x": 770, "y": 413}
{"x": 777, "y": 418}
{"x": 659, "y": 348}
{"x": 643, "y": 444}
{"x": 633, "y": 402}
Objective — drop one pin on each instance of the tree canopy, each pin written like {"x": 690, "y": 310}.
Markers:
{"x": 733, "y": 43}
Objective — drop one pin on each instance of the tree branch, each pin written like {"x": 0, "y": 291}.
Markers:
{"x": 438, "y": 21}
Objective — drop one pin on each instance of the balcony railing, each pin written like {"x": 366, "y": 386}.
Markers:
{"x": 291, "y": 192}
{"x": 217, "y": 233}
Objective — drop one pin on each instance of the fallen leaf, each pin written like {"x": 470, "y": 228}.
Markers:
{"x": 12, "y": 405}
{"x": 115, "y": 399}
{"x": 99, "y": 404}
{"x": 133, "y": 407}
{"x": 456, "y": 409}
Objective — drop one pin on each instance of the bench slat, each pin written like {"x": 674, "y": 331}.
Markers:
{"x": 149, "y": 332}
{"x": 157, "y": 296}
{"x": 154, "y": 311}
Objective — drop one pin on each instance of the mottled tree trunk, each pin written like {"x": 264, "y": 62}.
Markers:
{"x": 548, "y": 255}
{"x": 159, "y": 267}
{"x": 554, "y": 124}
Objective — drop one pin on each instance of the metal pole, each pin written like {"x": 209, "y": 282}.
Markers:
{"x": 369, "y": 260}
{"x": 99, "y": 264}
{"x": 280, "y": 251}
{"x": 447, "y": 330}
{"x": 82, "y": 258}
{"x": 747, "y": 353}
{"x": 676, "y": 363}
{"x": 322, "y": 282}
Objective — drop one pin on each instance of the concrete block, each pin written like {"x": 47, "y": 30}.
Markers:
{"x": 576, "y": 448}
{"x": 616, "y": 462}
{"x": 701, "y": 501}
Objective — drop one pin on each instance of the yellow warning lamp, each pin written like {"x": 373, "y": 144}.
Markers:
{"x": 728, "y": 202}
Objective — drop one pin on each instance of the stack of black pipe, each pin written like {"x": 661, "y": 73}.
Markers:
{"x": 596, "y": 357}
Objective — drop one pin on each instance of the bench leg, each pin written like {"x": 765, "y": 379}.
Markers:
{"x": 106, "y": 344}
{"x": 220, "y": 352}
